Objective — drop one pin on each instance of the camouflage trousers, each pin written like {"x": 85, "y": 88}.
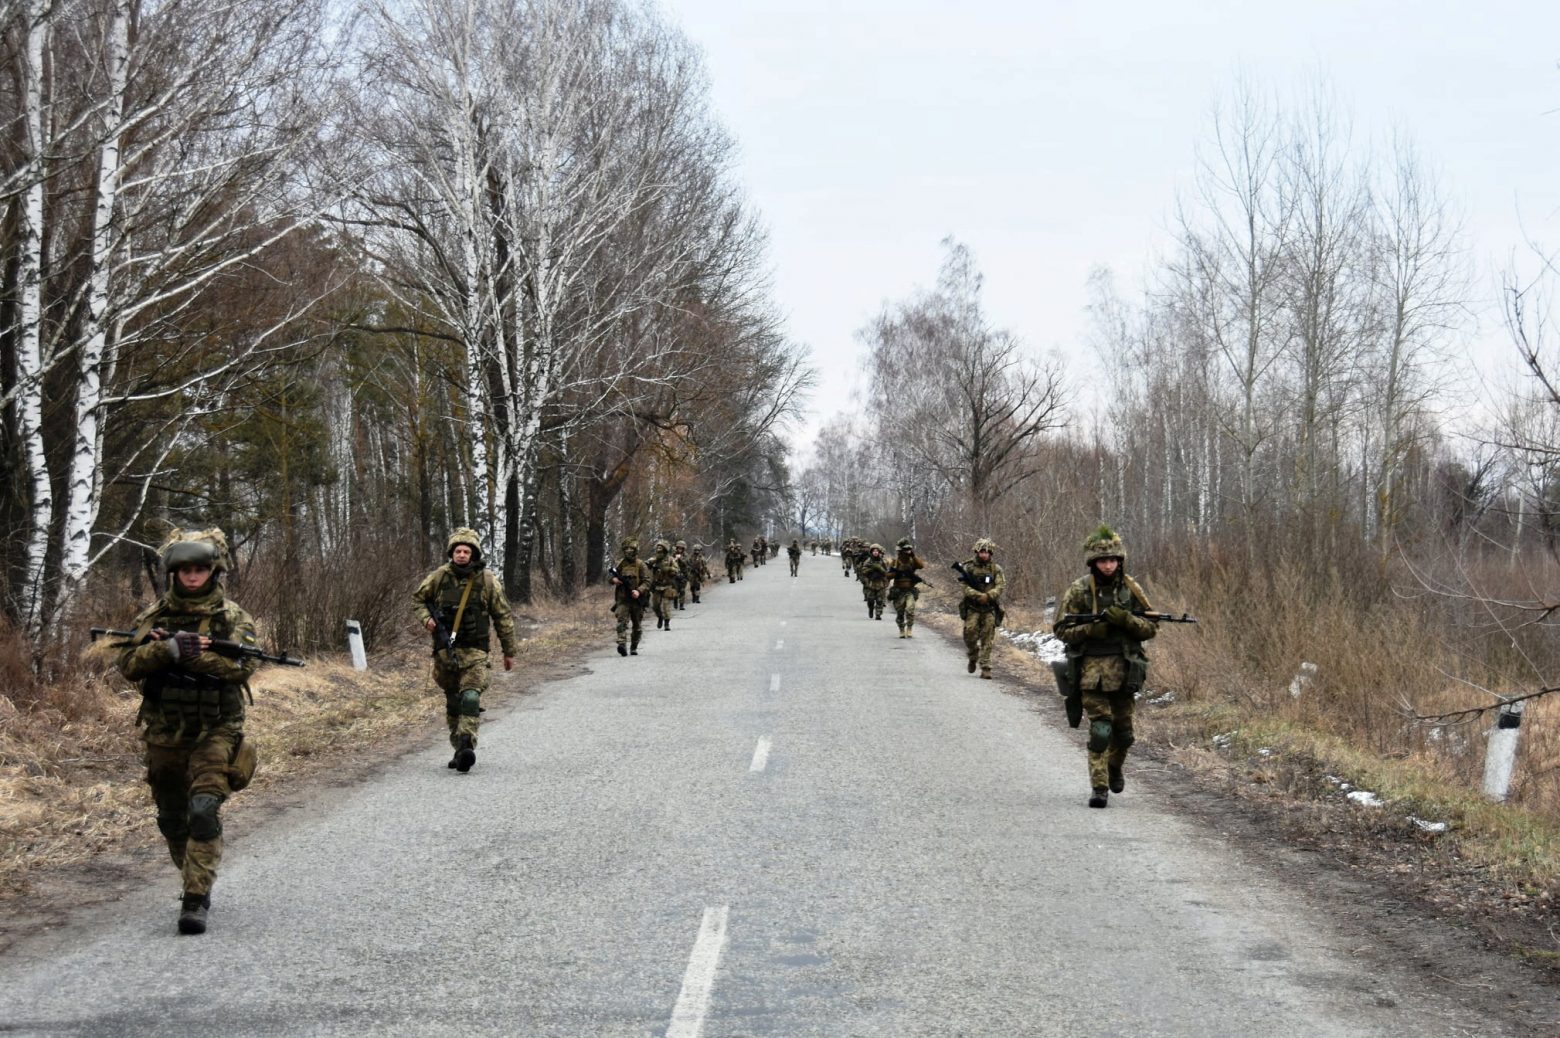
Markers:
{"x": 980, "y": 631}
{"x": 630, "y": 616}
{"x": 1109, "y": 707}
{"x": 875, "y": 599}
{"x": 177, "y": 770}
{"x": 661, "y": 600}
{"x": 794, "y": 564}
{"x": 904, "y": 607}
{"x": 470, "y": 670}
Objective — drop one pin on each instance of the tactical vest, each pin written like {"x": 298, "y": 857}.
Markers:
{"x": 473, "y": 633}
{"x": 1118, "y": 642}
{"x": 984, "y": 574}
{"x": 186, "y": 702}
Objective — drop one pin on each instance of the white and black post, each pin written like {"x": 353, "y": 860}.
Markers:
{"x": 1500, "y": 756}
{"x": 355, "y": 642}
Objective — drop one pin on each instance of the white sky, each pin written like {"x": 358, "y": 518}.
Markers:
{"x": 1053, "y": 137}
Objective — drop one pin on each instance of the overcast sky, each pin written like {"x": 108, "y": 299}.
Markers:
{"x": 1053, "y": 137}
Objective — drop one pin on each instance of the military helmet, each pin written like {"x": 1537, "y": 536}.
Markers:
{"x": 1104, "y": 543}
{"x": 698, "y": 549}
{"x": 629, "y": 544}
{"x": 467, "y": 536}
{"x": 661, "y": 545}
{"x": 683, "y": 545}
{"x": 985, "y": 544}
{"x": 876, "y": 547}
{"x": 195, "y": 547}
{"x": 905, "y": 544}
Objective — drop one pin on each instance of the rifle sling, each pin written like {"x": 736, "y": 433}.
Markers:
{"x": 460, "y": 610}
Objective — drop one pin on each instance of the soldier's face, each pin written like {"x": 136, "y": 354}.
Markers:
{"x": 461, "y": 555}
{"x": 1107, "y": 567}
{"x": 983, "y": 555}
{"x": 192, "y": 576}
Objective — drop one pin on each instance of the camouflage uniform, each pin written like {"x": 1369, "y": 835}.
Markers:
{"x": 794, "y": 553}
{"x": 814, "y": 546}
{"x": 848, "y": 555}
{"x": 873, "y": 574}
{"x": 664, "y": 571}
{"x": 680, "y": 553}
{"x": 1106, "y": 658}
{"x": 760, "y": 551}
{"x": 463, "y": 673}
{"x": 981, "y": 607}
{"x": 734, "y": 559}
{"x": 698, "y": 572}
{"x": 828, "y": 547}
{"x": 904, "y": 592}
{"x": 192, "y": 710}
{"x": 632, "y": 575}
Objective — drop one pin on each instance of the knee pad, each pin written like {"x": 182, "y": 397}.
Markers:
{"x": 470, "y": 702}
{"x": 204, "y": 823}
{"x": 1124, "y": 736}
{"x": 1099, "y": 736}
{"x": 174, "y": 827}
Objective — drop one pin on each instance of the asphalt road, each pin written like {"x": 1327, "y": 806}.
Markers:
{"x": 779, "y": 820}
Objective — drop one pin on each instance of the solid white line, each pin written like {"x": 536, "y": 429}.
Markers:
{"x": 760, "y": 755}
{"x": 774, "y": 682}
{"x": 693, "y": 1002}
{"x": 780, "y": 644}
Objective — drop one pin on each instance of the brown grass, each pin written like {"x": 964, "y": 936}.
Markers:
{"x": 71, "y": 783}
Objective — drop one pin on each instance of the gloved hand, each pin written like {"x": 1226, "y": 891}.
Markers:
{"x": 980, "y": 598}
{"x": 186, "y": 645}
{"x": 1119, "y": 616}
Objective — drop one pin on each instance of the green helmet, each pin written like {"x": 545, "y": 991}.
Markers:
{"x": 985, "y": 544}
{"x": 195, "y": 547}
{"x": 630, "y": 544}
{"x": 905, "y": 544}
{"x": 877, "y": 548}
{"x": 682, "y": 545}
{"x": 1104, "y": 543}
{"x": 467, "y": 536}
{"x": 661, "y": 546}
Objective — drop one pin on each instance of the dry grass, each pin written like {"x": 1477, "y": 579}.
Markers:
{"x": 71, "y": 784}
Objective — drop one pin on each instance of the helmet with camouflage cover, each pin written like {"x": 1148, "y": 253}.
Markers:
{"x": 467, "y": 536}
{"x": 661, "y": 546}
{"x": 195, "y": 547}
{"x": 1104, "y": 543}
{"x": 875, "y": 547}
{"x": 682, "y": 545}
{"x": 985, "y": 544}
{"x": 905, "y": 544}
{"x": 698, "y": 549}
{"x": 629, "y": 546}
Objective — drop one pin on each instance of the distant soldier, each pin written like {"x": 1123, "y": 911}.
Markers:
{"x": 794, "y": 552}
{"x": 192, "y": 707}
{"x": 828, "y": 547}
{"x": 462, "y": 598}
{"x": 873, "y": 574}
{"x": 904, "y": 593}
{"x": 814, "y": 546}
{"x": 1105, "y": 659}
{"x": 760, "y": 550}
{"x": 981, "y": 606}
{"x": 734, "y": 559}
{"x": 698, "y": 572}
{"x": 848, "y": 555}
{"x": 774, "y": 549}
{"x": 664, "y": 569}
{"x": 680, "y": 553}
{"x": 631, "y": 589}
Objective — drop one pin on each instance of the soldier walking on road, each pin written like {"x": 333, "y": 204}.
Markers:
{"x": 1105, "y": 658}
{"x": 192, "y": 707}
{"x": 698, "y": 572}
{"x": 904, "y": 593}
{"x": 734, "y": 559}
{"x": 680, "y": 553}
{"x": 760, "y": 551}
{"x": 458, "y": 603}
{"x": 873, "y": 574}
{"x": 664, "y": 570}
{"x": 794, "y": 552}
{"x": 631, "y": 587}
{"x": 981, "y": 606}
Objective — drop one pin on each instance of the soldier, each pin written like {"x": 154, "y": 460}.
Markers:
{"x": 631, "y": 587}
{"x": 734, "y": 559}
{"x": 192, "y": 707}
{"x": 794, "y": 552}
{"x": 680, "y": 553}
{"x": 759, "y": 551}
{"x": 848, "y": 555}
{"x": 905, "y": 593}
{"x": 774, "y": 549}
{"x": 698, "y": 572}
{"x": 1106, "y": 661}
{"x": 814, "y": 546}
{"x": 664, "y": 569}
{"x": 981, "y": 606}
{"x": 828, "y": 547}
{"x": 873, "y": 574}
{"x": 460, "y": 600}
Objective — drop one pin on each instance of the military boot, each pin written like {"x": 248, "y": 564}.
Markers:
{"x": 971, "y": 665}
{"x": 909, "y": 630}
{"x": 985, "y": 672}
{"x": 658, "y": 622}
{"x": 667, "y": 623}
{"x": 622, "y": 649}
{"x": 1100, "y": 798}
{"x": 880, "y": 613}
{"x": 466, "y": 755}
{"x": 633, "y": 648}
{"x": 192, "y": 913}
{"x": 1118, "y": 781}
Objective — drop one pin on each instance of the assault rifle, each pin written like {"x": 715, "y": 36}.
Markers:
{"x": 969, "y": 579}
{"x": 232, "y": 650}
{"x": 1076, "y": 619}
{"x": 895, "y": 573}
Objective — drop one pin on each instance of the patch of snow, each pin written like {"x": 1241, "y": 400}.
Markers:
{"x": 1043, "y": 644}
{"x": 1429, "y": 827}
{"x": 1223, "y": 740}
{"x": 1365, "y": 798}
{"x": 1162, "y": 700}
{"x": 1266, "y": 751}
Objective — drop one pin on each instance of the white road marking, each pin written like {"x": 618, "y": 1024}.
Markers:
{"x": 760, "y": 755}
{"x": 774, "y": 682}
{"x": 780, "y": 644}
{"x": 693, "y": 1002}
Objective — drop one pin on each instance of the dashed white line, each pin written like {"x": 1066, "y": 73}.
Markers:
{"x": 774, "y": 682}
{"x": 693, "y": 1002}
{"x": 760, "y": 755}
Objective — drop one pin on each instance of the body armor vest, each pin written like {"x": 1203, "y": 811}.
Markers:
{"x": 187, "y": 702}
{"x": 1118, "y": 642}
{"x": 473, "y": 633}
